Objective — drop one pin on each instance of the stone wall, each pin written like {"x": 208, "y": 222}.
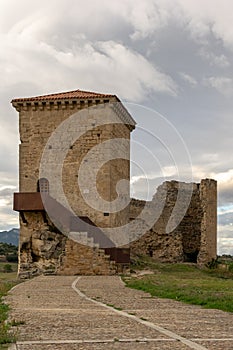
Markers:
{"x": 194, "y": 238}
{"x": 45, "y": 250}
{"x": 37, "y": 124}
{"x": 41, "y": 246}
{"x": 208, "y": 196}
{"x": 81, "y": 259}
{"x": 44, "y": 247}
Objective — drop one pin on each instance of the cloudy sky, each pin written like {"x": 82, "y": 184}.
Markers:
{"x": 169, "y": 60}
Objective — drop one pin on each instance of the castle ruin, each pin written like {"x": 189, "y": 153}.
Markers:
{"x": 71, "y": 239}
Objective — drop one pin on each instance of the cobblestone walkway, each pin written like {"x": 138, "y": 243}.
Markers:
{"x": 100, "y": 313}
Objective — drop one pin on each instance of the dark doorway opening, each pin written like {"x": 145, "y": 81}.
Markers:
{"x": 191, "y": 257}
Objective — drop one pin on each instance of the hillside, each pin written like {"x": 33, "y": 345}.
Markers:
{"x": 10, "y": 237}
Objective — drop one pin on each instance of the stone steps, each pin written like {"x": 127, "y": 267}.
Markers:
{"x": 82, "y": 238}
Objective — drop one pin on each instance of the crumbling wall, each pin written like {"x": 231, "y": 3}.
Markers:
{"x": 194, "y": 238}
{"x": 40, "y": 246}
{"x": 45, "y": 250}
{"x": 208, "y": 196}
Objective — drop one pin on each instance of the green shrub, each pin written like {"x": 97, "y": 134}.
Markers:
{"x": 12, "y": 258}
{"x": 230, "y": 267}
{"x": 7, "y": 268}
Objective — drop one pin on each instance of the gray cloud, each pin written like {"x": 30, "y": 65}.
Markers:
{"x": 219, "y": 60}
{"x": 6, "y": 192}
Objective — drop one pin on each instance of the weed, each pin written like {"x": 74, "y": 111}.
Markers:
{"x": 118, "y": 308}
{"x": 110, "y": 305}
{"x": 15, "y": 323}
{"x": 143, "y": 319}
{"x": 115, "y": 307}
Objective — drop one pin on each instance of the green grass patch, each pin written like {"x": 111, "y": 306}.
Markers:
{"x": 7, "y": 281}
{"x": 209, "y": 288}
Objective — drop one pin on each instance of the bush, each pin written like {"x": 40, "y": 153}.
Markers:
{"x": 230, "y": 267}
{"x": 12, "y": 258}
{"x": 7, "y": 268}
{"x": 213, "y": 264}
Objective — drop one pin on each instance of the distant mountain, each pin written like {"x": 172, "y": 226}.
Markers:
{"x": 11, "y": 236}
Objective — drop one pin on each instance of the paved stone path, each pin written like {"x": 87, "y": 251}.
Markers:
{"x": 100, "y": 313}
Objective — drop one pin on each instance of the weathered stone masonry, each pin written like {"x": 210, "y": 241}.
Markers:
{"x": 43, "y": 246}
{"x": 46, "y": 246}
{"x": 194, "y": 239}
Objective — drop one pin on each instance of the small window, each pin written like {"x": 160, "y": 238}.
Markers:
{"x": 106, "y": 214}
{"x": 43, "y": 185}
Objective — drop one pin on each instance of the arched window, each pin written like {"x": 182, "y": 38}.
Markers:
{"x": 43, "y": 185}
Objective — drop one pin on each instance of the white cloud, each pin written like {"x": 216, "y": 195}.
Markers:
{"x": 141, "y": 76}
{"x": 224, "y": 184}
{"x": 37, "y": 39}
{"x": 224, "y": 177}
{"x": 225, "y": 246}
{"x": 170, "y": 170}
{"x": 223, "y": 85}
{"x": 209, "y": 17}
{"x": 9, "y": 218}
{"x": 116, "y": 67}
{"x": 214, "y": 60}
{"x": 188, "y": 78}
{"x": 146, "y": 17}
{"x": 201, "y": 18}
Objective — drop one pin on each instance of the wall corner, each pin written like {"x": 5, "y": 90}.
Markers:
{"x": 208, "y": 198}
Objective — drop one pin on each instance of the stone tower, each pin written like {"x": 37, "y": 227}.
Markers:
{"x": 69, "y": 169}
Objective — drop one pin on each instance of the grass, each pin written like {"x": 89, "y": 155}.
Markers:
{"x": 210, "y": 288}
{"x": 7, "y": 281}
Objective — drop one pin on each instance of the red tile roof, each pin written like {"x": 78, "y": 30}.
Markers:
{"x": 76, "y": 94}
